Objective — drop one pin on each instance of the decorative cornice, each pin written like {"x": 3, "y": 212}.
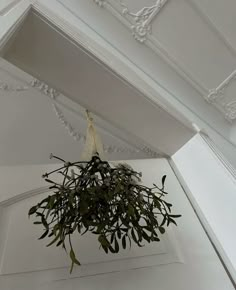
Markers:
{"x": 99, "y": 2}
{"x": 142, "y": 20}
{"x": 44, "y": 88}
{"x": 141, "y": 28}
{"x": 217, "y": 98}
{"x": 10, "y": 88}
{"x": 230, "y": 111}
{"x": 78, "y": 136}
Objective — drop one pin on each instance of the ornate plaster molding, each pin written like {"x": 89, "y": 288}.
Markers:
{"x": 217, "y": 98}
{"x": 10, "y": 88}
{"x": 44, "y": 88}
{"x": 142, "y": 20}
{"x": 140, "y": 25}
{"x": 99, "y": 2}
{"x": 78, "y": 136}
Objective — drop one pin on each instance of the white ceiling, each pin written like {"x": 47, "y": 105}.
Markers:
{"x": 185, "y": 49}
{"x": 31, "y": 129}
{"x": 196, "y": 38}
{"x": 45, "y": 52}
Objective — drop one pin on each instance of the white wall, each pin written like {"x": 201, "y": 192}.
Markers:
{"x": 190, "y": 267}
{"x": 212, "y": 189}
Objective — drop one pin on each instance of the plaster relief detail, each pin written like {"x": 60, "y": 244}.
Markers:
{"x": 141, "y": 21}
{"x": 10, "y": 88}
{"x": 230, "y": 111}
{"x": 140, "y": 25}
{"x": 99, "y": 2}
{"x": 224, "y": 102}
{"x": 78, "y": 136}
{"x": 44, "y": 88}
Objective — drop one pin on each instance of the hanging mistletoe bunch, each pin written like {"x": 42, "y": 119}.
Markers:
{"x": 108, "y": 201}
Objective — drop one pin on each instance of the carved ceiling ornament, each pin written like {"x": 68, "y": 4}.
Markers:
{"x": 140, "y": 21}
{"x": 44, "y": 88}
{"x": 77, "y": 136}
{"x": 217, "y": 97}
{"x": 231, "y": 111}
{"x": 99, "y": 2}
{"x": 10, "y": 88}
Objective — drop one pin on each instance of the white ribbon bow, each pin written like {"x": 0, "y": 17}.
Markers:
{"x": 93, "y": 144}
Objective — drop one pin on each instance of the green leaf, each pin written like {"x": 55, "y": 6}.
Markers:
{"x": 163, "y": 221}
{"x": 59, "y": 243}
{"x": 118, "y": 233}
{"x": 124, "y": 242}
{"x": 83, "y": 207}
{"x": 134, "y": 236}
{"x": 37, "y": 223}
{"x": 175, "y": 215}
{"x": 49, "y": 181}
{"x": 51, "y": 201}
{"x": 112, "y": 237}
{"x": 146, "y": 237}
{"x": 51, "y": 234}
{"x": 116, "y": 246}
{"x": 44, "y": 235}
{"x": 103, "y": 241}
{"x": 54, "y": 240}
{"x": 105, "y": 249}
{"x": 163, "y": 181}
{"x": 32, "y": 210}
{"x": 112, "y": 250}
{"x": 105, "y": 201}
{"x": 130, "y": 210}
{"x": 162, "y": 230}
{"x": 169, "y": 205}
{"x": 72, "y": 267}
{"x": 156, "y": 202}
{"x": 44, "y": 222}
{"x": 73, "y": 258}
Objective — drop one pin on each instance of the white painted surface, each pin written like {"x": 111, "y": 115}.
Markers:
{"x": 213, "y": 191}
{"x": 222, "y": 17}
{"x": 28, "y": 120}
{"x": 186, "y": 261}
{"x": 160, "y": 66}
{"x": 12, "y": 12}
{"x": 87, "y": 81}
{"x": 169, "y": 55}
{"x": 7, "y": 5}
